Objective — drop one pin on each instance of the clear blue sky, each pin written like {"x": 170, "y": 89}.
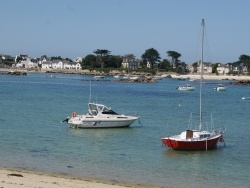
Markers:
{"x": 75, "y": 28}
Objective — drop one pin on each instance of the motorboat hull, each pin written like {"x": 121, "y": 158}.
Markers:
{"x": 204, "y": 144}
{"x": 101, "y": 123}
{"x": 100, "y": 116}
{"x": 220, "y": 89}
{"x": 185, "y": 89}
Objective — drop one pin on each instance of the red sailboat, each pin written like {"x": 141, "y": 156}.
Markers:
{"x": 195, "y": 139}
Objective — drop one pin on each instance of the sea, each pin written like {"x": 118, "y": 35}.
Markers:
{"x": 33, "y": 137}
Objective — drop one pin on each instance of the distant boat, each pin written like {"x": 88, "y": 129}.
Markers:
{"x": 245, "y": 98}
{"x": 195, "y": 139}
{"x": 117, "y": 76}
{"x": 125, "y": 77}
{"x": 220, "y": 87}
{"x": 191, "y": 80}
{"x": 99, "y": 77}
{"x": 134, "y": 77}
{"x": 187, "y": 87}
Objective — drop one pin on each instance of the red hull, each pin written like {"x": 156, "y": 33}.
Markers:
{"x": 190, "y": 145}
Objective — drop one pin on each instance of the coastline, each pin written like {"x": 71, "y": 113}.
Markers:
{"x": 13, "y": 178}
{"x": 212, "y": 77}
{"x": 164, "y": 75}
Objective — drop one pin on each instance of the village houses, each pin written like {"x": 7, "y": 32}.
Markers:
{"x": 128, "y": 62}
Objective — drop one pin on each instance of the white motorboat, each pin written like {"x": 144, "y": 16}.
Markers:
{"x": 134, "y": 77}
{"x": 125, "y": 77}
{"x": 117, "y": 76}
{"x": 187, "y": 87}
{"x": 100, "y": 116}
{"x": 99, "y": 77}
{"x": 220, "y": 87}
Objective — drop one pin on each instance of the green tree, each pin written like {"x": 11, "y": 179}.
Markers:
{"x": 166, "y": 65}
{"x": 195, "y": 66}
{"x": 174, "y": 55}
{"x": 56, "y": 58}
{"x": 245, "y": 59}
{"x": 214, "y": 68}
{"x": 89, "y": 61}
{"x": 152, "y": 56}
{"x": 113, "y": 61}
{"x": 100, "y": 53}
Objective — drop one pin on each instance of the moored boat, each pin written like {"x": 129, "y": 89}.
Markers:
{"x": 99, "y": 77}
{"x": 100, "y": 116}
{"x": 187, "y": 87}
{"x": 220, "y": 87}
{"x": 195, "y": 139}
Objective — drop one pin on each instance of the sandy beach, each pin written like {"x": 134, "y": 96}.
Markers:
{"x": 15, "y": 178}
{"x": 212, "y": 77}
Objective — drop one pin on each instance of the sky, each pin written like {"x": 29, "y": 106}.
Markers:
{"x": 76, "y": 28}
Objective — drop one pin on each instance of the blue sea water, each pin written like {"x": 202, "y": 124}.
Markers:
{"x": 33, "y": 137}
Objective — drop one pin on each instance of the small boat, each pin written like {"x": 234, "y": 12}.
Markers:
{"x": 245, "y": 98}
{"x": 100, "y": 116}
{"x": 187, "y": 87}
{"x": 117, "y": 76}
{"x": 192, "y": 80}
{"x": 125, "y": 77}
{"x": 134, "y": 77}
{"x": 220, "y": 87}
{"x": 99, "y": 77}
{"x": 195, "y": 139}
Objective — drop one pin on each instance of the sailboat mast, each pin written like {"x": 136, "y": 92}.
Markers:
{"x": 201, "y": 71}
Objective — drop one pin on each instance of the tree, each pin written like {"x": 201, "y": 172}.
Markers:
{"x": 245, "y": 59}
{"x": 100, "y": 53}
{"x": 56, "y": 58}
{"x": 195, "y": 66}
{"x": 89, "y": 60}
{"x": 214, "y": 68}
{"x": 165, "y": 64}
{"x": 175, "y": 56}
{"x": 113, "y": 61}
{"x": 181, "y": 68}
{"x": 152, "y": 56}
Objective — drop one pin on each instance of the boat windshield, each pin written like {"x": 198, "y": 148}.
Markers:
{"x": 110, "y": 112}
{"x": 96, "y": 108}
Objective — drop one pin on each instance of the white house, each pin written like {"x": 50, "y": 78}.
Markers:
{"x": 223, "y": 69}
{"x": 27, "y": 63}
{"x": 61, "y": 64}
{"x": 46, "y": 64}
{"x": 130, "y": 62}
{"x": 207, "y": 68}
{"x": 78, "y": 60}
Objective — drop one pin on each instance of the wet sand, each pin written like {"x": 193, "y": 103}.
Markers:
{"x": 16, "y": 178}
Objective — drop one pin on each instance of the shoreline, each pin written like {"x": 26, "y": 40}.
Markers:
{"x": 212, "y": 77}
{"x": 164, "y": 75}
{"x": 14, "y": 177}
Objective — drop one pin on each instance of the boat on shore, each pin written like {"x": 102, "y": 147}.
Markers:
{"x": 100, "y": 116}
{"x": 196, "y": 139}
